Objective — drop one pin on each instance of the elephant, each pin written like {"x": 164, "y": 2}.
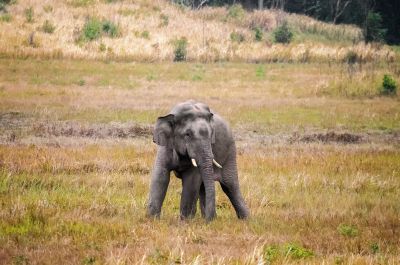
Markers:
{"x": 197, "y": 144}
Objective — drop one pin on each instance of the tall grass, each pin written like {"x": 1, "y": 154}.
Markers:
{"x": 207, "y": 31}
{"x": 76, "y": 156}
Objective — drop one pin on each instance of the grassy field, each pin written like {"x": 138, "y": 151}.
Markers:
{"x": 318, "y": 158}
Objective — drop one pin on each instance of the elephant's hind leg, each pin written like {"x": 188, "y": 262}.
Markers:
{"x": 230, "y": 185}
{"x": 191, "y": 181}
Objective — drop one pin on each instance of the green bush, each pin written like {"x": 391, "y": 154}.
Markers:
{"x": 389, "y": 86}
{"x": 92, "y": 29}
{"x": 236, "y": 11}
{"x": 283, "y": 34}
{"x": 180, "y": 49}
{"x": 258, "y": 34}
{"x": 110, "y": 29}
{"x": 373, "y": 30}
{"x": 297, "y": 252}
{"x": 271, "y": 253}
{"x": 274, "y": 252}
{"x": 48, "y": 27}
{"x": 29, "y": 13}
{"x": 237, "y": 37}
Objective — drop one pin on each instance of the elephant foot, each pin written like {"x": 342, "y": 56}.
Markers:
{"x": 243, "y": 213}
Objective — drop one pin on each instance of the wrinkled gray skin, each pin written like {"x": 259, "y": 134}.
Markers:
{"x": 191, "y": 130}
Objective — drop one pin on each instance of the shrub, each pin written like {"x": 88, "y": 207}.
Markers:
{"x": 373, "y": 30}
{"x": 389, "y": 86}
{"x": 48, "y": 27}
{"x": 164, "y": 20}
{"x": 237, "y": 37}
{"x": 29, "y": 15}
{"x": 92, "y": 29}
{"x": 294, "y": 251}
{"x": 110, "y": 29}
{"x": 283, "y": 34}
{"x": 180, "y": 49}
{"x": 258, "y": 34}
{"x": 270, "y": 253}
{"x": 236, "y": 11}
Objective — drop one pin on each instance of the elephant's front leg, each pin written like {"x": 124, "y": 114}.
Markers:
{"x": 159, "y": 183}
{"x": 191, "y": 181}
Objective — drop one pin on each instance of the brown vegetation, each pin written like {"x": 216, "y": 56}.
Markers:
{"x": 145, "y": 36}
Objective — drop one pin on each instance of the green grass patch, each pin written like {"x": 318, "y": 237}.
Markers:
{"x": 81, "y": 3}
{"x": 5, "y": 17}
{"x": 348, "y": 230}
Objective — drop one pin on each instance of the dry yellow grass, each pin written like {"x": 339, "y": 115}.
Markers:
{"x": 72, "y": 193}
{"x": 208, "y": 33}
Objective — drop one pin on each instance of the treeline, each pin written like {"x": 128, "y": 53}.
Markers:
{"x": 380, "y": 16}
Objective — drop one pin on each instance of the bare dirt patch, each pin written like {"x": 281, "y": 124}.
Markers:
{"x": 329, "y": 137}
{"x": 73, "y": 129}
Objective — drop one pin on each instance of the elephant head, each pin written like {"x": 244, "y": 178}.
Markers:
{"x": 189, "y": 131}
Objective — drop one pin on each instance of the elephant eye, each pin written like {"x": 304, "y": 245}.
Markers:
{"x": 187, "y": 134}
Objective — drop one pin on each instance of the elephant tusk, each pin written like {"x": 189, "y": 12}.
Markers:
{"x": 216, "y": 163}
{"x": 194, "y": 162}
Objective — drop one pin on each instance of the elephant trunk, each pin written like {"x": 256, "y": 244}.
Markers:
{"x": 205, "y": 165}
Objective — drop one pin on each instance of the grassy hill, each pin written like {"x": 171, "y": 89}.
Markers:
{"x": 147, "y": 31}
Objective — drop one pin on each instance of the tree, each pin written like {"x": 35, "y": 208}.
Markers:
{"x": 278, "y": 4}
{"x": 338, "y": 7}
{"x": 373, "y": 28}
{"x": 261, "y": 4}
{"x": 3, "y": 4}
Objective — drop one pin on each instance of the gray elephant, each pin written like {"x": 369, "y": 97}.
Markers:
{"x": 198, "y": 146}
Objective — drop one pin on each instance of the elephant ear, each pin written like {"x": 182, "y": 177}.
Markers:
{"x": 163, "y": 131}
{"x": 211, "y": 117}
